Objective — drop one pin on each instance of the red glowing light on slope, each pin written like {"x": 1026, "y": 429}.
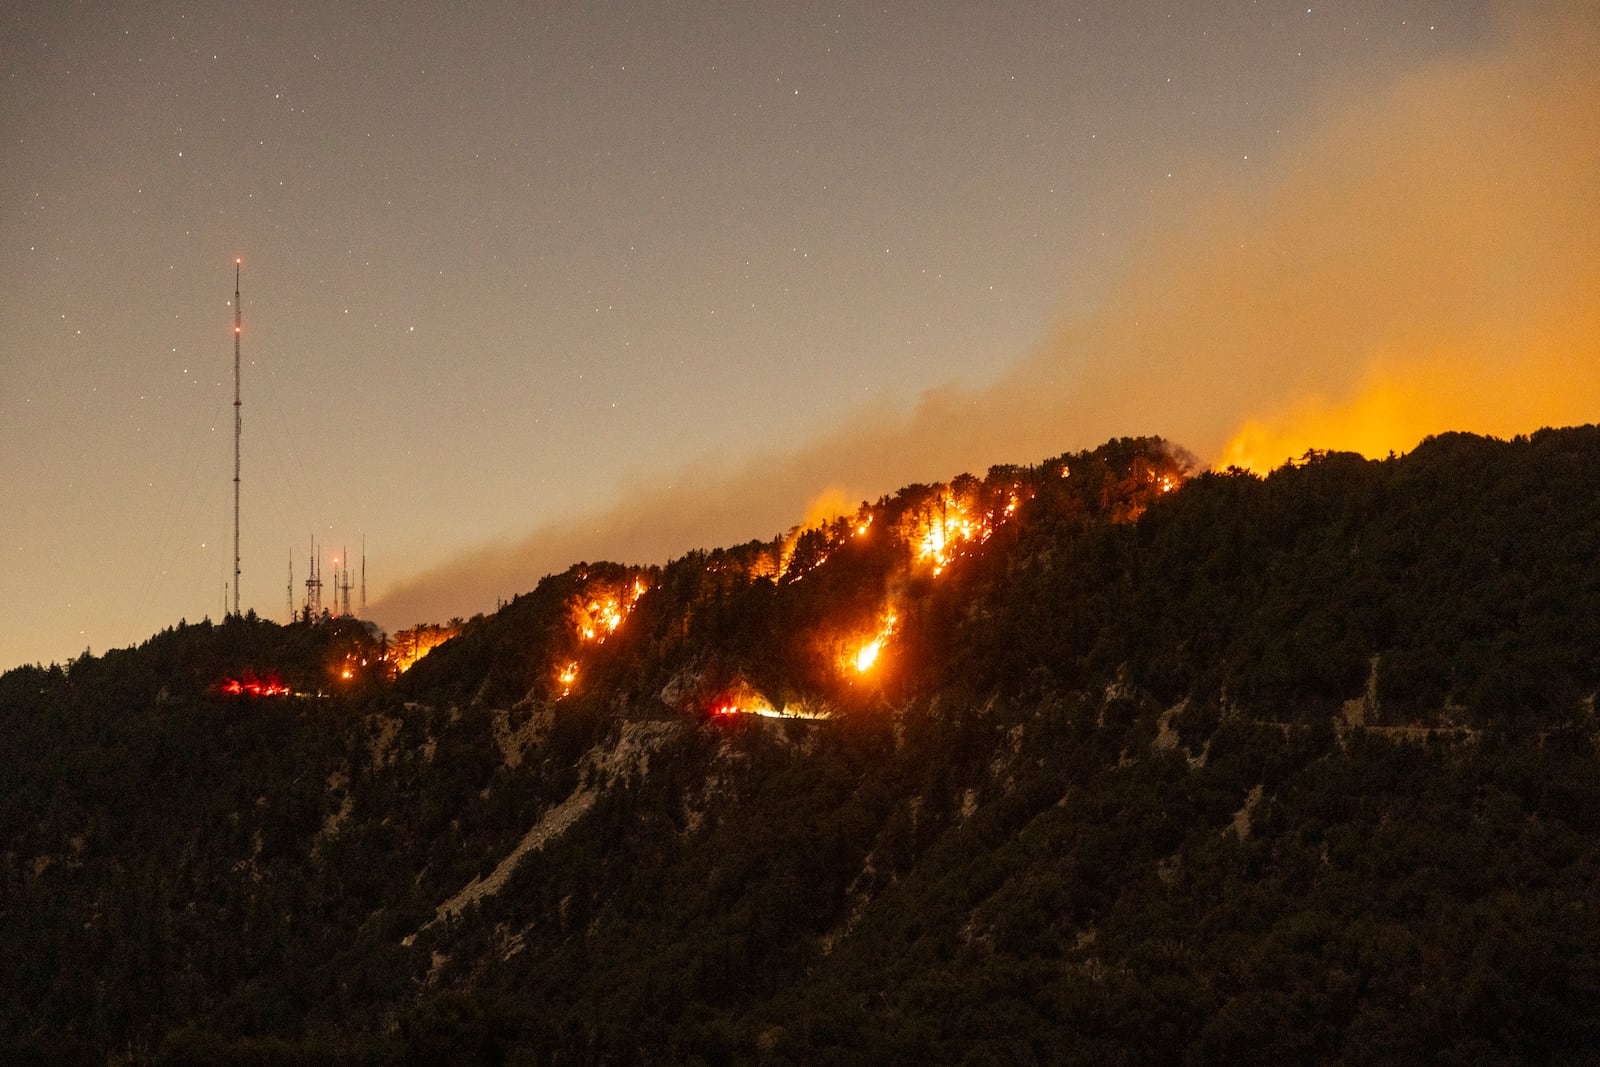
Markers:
{"x": 251, "y": 686}
{"x": 745, "y": 701}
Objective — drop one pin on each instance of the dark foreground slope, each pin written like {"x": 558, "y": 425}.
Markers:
{"x": 1296, "y": 769}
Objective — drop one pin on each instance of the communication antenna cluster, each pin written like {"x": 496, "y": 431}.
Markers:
{"x": 343, "y": 579}
{"x": 343, "y": 583}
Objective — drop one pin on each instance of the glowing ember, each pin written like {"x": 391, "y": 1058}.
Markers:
{"x": 566, "y": 676}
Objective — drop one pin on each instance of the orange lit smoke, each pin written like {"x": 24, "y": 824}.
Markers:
{"x": 830, "y": 504}
{"x": 1395, "y": 406}
{"x": 1421, "y": 259}
{"x": 1418, "y": 257}
{"x": 1442, "y": 258}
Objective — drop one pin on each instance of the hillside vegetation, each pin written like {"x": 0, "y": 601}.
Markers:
{"x": 1100, "y": 760}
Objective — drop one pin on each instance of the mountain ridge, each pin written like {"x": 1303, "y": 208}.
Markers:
{"x": 1295, "y": 768}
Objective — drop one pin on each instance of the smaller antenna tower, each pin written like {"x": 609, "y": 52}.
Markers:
{"x": 291, "y": 585}
{"x": 314, "y": 585}
{"x": 363, "y": 576}
{"x": 344, "y": 575}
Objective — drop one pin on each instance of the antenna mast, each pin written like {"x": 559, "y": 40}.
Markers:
{"x": 237, "y": 426}
{"x": 314, "y": 585}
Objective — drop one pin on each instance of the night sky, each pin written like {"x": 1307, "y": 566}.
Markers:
{"x": 525, "y": 284}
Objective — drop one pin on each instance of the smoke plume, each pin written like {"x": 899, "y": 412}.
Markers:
{"x": 1424, "y": 259}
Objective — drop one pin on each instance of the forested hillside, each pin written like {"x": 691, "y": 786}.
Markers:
{"x": 1098, "y": 760}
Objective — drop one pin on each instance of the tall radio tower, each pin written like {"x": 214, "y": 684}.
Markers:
{"x": 237, "y": 426}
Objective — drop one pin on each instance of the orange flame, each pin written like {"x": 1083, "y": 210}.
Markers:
{"x": 595, "y": 617}
{"x": 957, "y": 523}
{"x": 566, "y": 676}
{"x": 866, "y": 656}
{"x": 411, "y": 645}
{"x": 599, "y": 616}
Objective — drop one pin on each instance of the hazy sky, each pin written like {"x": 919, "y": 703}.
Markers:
{"x": 527, "y": 283}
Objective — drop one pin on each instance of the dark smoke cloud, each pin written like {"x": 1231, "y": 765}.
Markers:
{"x": 1425, "y": 260}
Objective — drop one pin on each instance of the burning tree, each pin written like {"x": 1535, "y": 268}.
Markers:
{"x": 410, "y": 645}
